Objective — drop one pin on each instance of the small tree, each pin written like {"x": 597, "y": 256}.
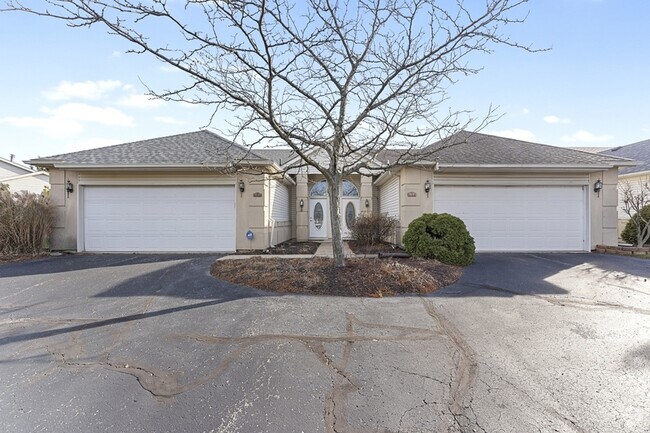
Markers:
{"x": 635, "y": 198}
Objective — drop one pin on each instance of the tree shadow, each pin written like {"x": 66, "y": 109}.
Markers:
{"x": 78, "y": 262}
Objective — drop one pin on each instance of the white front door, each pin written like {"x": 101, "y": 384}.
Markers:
{"x": 318, "y": 218}
{"x": 349, "y": 212}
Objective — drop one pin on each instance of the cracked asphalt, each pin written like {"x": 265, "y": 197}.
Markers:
{"x": 143, "y": 343}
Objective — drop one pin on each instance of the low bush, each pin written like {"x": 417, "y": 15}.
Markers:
{"x": 442, "y": 237}
{"x": 629, "y": 232}
{"x": 373, "y": 229}
{"x": 26, "y": 222}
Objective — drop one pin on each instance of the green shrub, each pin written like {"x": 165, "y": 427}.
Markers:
{"x": 629, "y": 232}
{"x": 373, "y": 229}
{"x": 442, "y": 237}
{"x": 26, "y": 222}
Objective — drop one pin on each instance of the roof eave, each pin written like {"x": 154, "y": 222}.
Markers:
{"x": 77, "y": 166}
{"x": 526, "y": 167}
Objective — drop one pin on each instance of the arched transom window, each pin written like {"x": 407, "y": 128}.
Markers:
{"x": 320, "y": 189}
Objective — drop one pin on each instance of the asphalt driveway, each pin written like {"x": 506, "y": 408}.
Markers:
{"x": 129, "y": 343}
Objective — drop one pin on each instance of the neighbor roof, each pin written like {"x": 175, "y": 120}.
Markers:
{"x": 15, "y": 164}
{"x": 476, "y": 149}
{"x": 201, "y": 148}
{"x": 640, "y": 152}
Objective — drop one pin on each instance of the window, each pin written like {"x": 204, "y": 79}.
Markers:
{"x": 319, "y": 189}
{"x": 348, "y": 189}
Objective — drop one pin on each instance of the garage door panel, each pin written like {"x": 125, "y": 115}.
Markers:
{"x": 157, "y": 219}
{"x": 518, "y": 218}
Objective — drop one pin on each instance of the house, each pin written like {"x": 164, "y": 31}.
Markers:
{"x": 635, "y": 176}
{"x": 21, "y": 178}
{"x": 183, "y": 193}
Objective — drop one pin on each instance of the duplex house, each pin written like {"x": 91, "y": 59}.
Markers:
{"x": 198, "y": 192}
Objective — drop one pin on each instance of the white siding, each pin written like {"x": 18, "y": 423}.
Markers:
{"x": 389, "y": 198}
{"x": 636, "y": 185}
{"x": 279, "y": 201}
{"x": 34, "y": 184}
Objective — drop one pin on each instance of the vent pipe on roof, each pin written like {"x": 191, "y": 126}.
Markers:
{"x": 11, "y": 157}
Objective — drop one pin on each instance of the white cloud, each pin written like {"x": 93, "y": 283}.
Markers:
{"x": 169, "y": 120}
{"x": 89, "y": 90}
{"x": 68, "y": 119}
{"x": 583, "y": 136}
{"x": 51, "y": 126}
{"x": 140, "y": 101}
{"x": 116, "y": 54}
{"x": 88, "y": 113}
{"x": 551, "y": 119}
{"x": 525, "y": 110}
{"x": 517, "y": 134}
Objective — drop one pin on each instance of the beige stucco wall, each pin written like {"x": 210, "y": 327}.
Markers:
{"x": 253, "y": 208}
{"x": 413, "y": 200}
{"x": 604, "y": 214}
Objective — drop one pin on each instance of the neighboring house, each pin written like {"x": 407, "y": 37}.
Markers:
{"x": 21, "y": 178}
{"x": 635, "y": 176}
{"x": 180, "y": 193}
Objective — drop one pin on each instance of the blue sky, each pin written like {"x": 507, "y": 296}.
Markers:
{"x": 67, "y": 89}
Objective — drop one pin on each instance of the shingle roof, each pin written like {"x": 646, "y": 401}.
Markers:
{"x": 279, "y": 156}
{"x": 639, "y": 152}
{"x": 473, "y": 148}
{"x": 193, "y": 148}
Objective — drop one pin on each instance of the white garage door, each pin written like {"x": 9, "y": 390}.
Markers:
{"x": 518, "y": 218}
{"x": 157, "y": 219}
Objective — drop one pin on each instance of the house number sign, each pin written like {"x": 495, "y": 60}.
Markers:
{"x": 257, "y": 194}
{"x": 411, "y": 194}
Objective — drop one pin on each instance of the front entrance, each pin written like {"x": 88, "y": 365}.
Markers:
{"x": 319, "y": 224}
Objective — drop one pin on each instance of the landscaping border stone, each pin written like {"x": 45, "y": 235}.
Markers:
{"x": 624, "y": 250}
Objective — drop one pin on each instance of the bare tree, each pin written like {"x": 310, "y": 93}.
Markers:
{"x": 635, "y": 198}
{"x": 341, "y": 78}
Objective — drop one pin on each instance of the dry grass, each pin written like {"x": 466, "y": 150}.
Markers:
{"x": 360, "y": 277}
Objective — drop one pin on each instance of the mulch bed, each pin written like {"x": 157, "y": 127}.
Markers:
{"x": 360, "y": 277}
{"x": 288, "y": 247}
{"x": 383, "y": 247}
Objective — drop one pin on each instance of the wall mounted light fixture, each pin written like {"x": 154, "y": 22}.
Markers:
{"x": 427, "y": 187}
{"x": 242, "y": 187}
{"x": 302, "y": 204}
{"x": 598, "y": 185}
{"x": 367, "y": 203}
{"x": 69, "y": 187}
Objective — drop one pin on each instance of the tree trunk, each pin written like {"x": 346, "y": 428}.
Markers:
{"x": 334, "y": 190}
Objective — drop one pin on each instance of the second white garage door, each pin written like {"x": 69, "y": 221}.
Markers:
{"x": 518, "y": 218}
{"x": 159, "y": 218}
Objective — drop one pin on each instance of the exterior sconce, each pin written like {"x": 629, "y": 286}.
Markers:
{"x": 598, "y": 186}
{"x": 302, "y": 204}
{"x": 69, "y": 187}
{"x": 367, "y": 203}
{"x": 427, "y": 187}
{"x": 242, "y": 187}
